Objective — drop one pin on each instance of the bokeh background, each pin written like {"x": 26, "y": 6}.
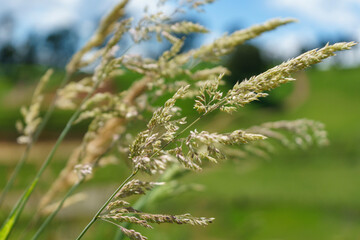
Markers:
{"x": 295, "y": 194}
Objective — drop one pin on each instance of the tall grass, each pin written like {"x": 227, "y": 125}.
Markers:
{"x": 169, "y": 140}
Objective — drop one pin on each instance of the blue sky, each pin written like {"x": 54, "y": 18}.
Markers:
{"x": 318, "y": 19}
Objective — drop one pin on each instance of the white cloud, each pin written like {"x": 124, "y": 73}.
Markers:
{"x": 42, "y": 15}
{"x": 319, "y": 18}
{"x": 137, "y": 7}
{"x": 331, "y": 14}
{"x": 48, "y": 15}
{"x": 288, "y": 44}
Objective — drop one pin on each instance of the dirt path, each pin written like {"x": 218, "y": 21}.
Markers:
{"x": 10, "y": 153}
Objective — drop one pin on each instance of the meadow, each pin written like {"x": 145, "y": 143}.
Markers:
{"x": 293, "y": 194}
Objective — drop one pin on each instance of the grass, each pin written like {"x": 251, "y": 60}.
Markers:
{"x": 296, "y": 195}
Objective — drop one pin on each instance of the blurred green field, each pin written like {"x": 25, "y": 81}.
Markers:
{"x": 301, "y": 194}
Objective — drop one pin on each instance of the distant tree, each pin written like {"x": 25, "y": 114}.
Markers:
{"x": 30, "y": 49}
{"x": 8, "y": 54}
{"x": 246, "y": 61}
{"x": 60, "y": 46}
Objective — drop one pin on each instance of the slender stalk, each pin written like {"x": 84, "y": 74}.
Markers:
{"x": 14, "y": 174}
{"x": 36, "y": 135}
{"x": 118, "y": 225}
{"x": 139, "y": 205}
{"x": 141, "y": 202}
{"x": 105, "y": 205}
{"x": 67, "y": 195}
{"x": 53, "y": 214}
{"x": 17, "y": 209}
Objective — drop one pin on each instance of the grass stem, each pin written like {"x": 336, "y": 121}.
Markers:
{"x": 36, "y": 135}
{"x": 93, "y": 220}
{"x": 17, "y": 209}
